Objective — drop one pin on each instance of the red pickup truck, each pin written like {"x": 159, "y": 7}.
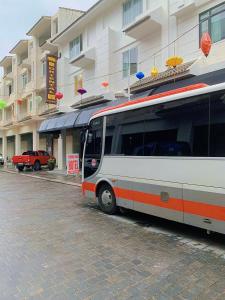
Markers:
{"x": 34, "y": 160}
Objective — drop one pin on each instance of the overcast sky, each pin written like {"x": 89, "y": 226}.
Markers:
{"x": 18, "y": 16}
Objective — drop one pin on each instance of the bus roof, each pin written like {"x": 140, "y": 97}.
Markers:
{"x": 188, "y": 91}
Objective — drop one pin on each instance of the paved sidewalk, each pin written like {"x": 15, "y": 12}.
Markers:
{"x": 56, "y": 246}
{"x": 53, "y": 176}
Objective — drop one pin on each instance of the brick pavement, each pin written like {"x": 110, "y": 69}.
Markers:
{"x": 54, "y": 245}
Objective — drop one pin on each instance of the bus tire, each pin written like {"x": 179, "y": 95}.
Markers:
{"x": 107, "y": 199}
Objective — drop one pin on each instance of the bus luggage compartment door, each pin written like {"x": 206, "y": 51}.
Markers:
{"x": 161, "y": 199}
{"x": 204, "y": 207}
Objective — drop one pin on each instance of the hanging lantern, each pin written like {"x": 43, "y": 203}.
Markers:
{"x": 58, "y": 95}
{"x": 154, "y": 72}
{"x": 105, "y": 84}
{"x": 81, "y": 91}
{"x": 174, "y": 61}
{"x": 3, "y": 104}
{"x": 206, "y": 43}
{"x": 19, "y": 101}
{"x": 140, "y": 75}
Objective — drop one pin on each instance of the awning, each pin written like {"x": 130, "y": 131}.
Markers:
{"x": 81, "y": 117}
{"x": 61, "y": 122}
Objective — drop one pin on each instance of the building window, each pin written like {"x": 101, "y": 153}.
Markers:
{"x": 213, "y": 22}
{"x": 76, "y": 46}
{"x": 24, "y": 78}
{"x": 130, "y": 61}
{"x": 78, "y": 83}
{"x": 30, "y": 106}
{"x": 131, "y": 9}
{"x": 43, "y": 68}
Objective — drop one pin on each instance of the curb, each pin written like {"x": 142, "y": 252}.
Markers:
{"x": 43, "y": 178}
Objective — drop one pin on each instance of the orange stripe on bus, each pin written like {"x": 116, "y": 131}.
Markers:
{"x": 205, "y": 210}
{"x": 89, "y": 186}
{"x": 190, "y": 207}
{"x": 174, "y": 204}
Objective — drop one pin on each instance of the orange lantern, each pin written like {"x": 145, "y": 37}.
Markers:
{"x": 206, "y": 43}
{"x": 105, "y": 84}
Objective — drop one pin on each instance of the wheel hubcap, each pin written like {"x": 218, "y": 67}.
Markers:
{"x": 107, "y": 198}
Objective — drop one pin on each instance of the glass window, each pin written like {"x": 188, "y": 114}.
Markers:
{"x": 130, "y": 62}
{"x": 178, "y": 128}
{"x": 213, "y": 22}
{"x": 217, "y": 124}
{"x": 131, "y": 9}
{"x": 24, "y": 78}
{"x": 93, "y": 149}
{"x": 76, "y": 46}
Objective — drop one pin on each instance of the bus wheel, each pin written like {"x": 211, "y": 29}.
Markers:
{"x": 107, "y": 199}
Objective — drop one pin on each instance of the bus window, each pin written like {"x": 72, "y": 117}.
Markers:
{"x": 177, "y": 128}
{"x": 93, "y": 150}
{"x": 217, "y": 125}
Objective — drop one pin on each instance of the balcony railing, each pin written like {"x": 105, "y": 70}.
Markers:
{"x": 85, "y": 58}
{"x": 146, "y": 23}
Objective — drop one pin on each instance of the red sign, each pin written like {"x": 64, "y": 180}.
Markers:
{"x": 51, "y": 79}
{"x": 73, "y": 164}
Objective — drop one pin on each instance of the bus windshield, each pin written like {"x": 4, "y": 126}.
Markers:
{"x": 93, "y": 149}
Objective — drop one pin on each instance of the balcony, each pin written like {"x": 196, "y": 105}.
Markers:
{"x": 26, "y": 63}
{"x": 201, "y": 2}
{"x": 86, "y": 58}
{"x": 47, "y": 46}
{"x": 182, "y": 7}
{"x": 26, "y": 90}
{"x": 8, "y": 76}
{"x": 148, "y": 22}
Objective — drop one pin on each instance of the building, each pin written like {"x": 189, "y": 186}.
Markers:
{"x": 114, "y": 40}
{"x": 23, "y": 86}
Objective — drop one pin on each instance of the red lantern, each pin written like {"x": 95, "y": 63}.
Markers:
{"x": 19, "y": 101}
{"x": 58, "y": 96}
{"x": 206, "y": 43}
{"x": 105, "y": 84}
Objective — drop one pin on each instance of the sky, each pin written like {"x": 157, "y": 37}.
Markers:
{"x": 18, "y": 16}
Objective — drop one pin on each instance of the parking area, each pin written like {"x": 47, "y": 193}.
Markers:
{"x": 55, "y": 245}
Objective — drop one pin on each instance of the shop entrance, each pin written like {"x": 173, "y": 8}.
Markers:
{"x": 26, "y": 142}
{"x": 11, "y": 148}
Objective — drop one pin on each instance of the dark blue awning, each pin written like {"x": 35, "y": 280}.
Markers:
{"x": 64, "y": 121}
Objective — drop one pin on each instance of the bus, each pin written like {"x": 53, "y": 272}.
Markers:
{"x": 162, "y": 155}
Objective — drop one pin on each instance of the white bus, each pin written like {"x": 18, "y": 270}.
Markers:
{"x": 163, "y": 155}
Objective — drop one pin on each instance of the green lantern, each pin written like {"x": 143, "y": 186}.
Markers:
{"x": 3, "y": 104}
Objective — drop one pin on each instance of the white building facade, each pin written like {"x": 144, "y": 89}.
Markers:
{"x": 23, "y": 86}
{"x": 110, "y": 43}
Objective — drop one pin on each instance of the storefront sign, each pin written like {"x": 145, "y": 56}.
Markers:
{"x": 51, "y": 79}
{"x": 72, "y": 163}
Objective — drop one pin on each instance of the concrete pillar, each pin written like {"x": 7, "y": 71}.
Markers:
{"x": 18, "y": 144}
{"x": 35, "y": 140}
{"x": 4, "y": 147}
{"x": 62, "y": 150}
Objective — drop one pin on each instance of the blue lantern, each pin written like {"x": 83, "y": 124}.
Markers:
{"x": 140, "y": 75}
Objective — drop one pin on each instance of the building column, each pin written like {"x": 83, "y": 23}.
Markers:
{"x": 4, "y": 147}
{"x": 62, "y": 150}
{"x": 18, "y": 144}
{"x": 35, "y": 140}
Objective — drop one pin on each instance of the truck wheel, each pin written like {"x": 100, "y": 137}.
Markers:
{"x": 20, "y": 168}
{"x": 107, "y": 199}
{"x": 37, "y": 166}
{"x": 51, "y": 166}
